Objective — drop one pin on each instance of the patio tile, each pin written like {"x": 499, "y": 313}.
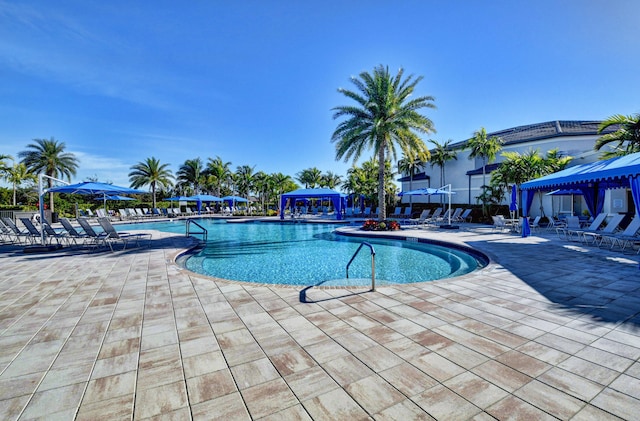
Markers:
{"x": 523, "y": 363}
{"x": 113, "y": 409}
{"x": 501, "y": 375}
{"x": 292, "y": 362}
{"x": 160, "y": 400}
{"x": 110, "y": 387}
{"x": 617, "y": 403}
{"x": 437, "y": 367}
{"x": 309, "y": 383}
{"x": 408, "y": 379}
{"x": 405, "y": 410}
{"x": 54, "y": 400}
{"x": 347, "y": 370}
{"x": 442, "y": 403}
{"x": 374, "y": 394}
{"x": 227, "y": 407}
{"x": 268, "y": 398}
{"x": 254, "y": 372}
{"x": 551, "y": 400}
{"x": 475, "y": 389}
{"x": 210, "y": 386}
{"x": 203, "y": 363}
{"x": 334, "y": 405}
{"x": 513, "y": 408}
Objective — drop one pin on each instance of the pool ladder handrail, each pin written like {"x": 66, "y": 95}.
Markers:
{"x": 373, "y": 263}
{"x": 203, "y": 231}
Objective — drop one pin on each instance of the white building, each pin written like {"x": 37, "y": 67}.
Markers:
{"x": 571, "y": 138}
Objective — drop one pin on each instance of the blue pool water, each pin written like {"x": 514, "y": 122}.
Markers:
{"x": 311, "y": 254}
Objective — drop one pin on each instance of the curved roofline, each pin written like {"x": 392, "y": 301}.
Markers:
{"x": 546, "y": 130}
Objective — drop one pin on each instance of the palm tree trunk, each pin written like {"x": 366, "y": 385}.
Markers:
{"x": 381, "y": 193}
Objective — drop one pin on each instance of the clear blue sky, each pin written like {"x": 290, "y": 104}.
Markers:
{"x": 255, "y": 81}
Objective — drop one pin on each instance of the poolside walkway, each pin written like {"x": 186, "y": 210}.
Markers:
{"x": 549, "y": 330}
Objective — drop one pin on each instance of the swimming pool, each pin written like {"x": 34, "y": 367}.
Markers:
{"x": 312, "y": 254}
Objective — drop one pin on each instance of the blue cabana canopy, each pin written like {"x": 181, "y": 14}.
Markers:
{"x": 335, "y": 197}
{"x": 591, "y": 180}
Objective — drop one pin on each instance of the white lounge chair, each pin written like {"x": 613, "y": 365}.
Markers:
{"x": 627, "y": 237}
{"x": 596, "y": 237}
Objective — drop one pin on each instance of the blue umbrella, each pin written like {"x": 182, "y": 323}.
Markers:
{"x": 234, "y": 199}
{"x": 513, "y": 206}
{"x": 91, "y": 187}
{"x": 204, "y": 198}
{"x": 179, "y": 199}
{"x": 114, "y": 197}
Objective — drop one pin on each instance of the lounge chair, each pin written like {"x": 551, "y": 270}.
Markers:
{"x": 499, "y": 223}
{"x": 627, "y": 237}
{"x": 594, "y": 227}
{"x": 535, "y": 225}
{"x": 52, "y": 234}
{"x": 563, "y": 229}
{"x": 434, "y": 217}
{"x": 456, "y": 215}
{"x": 112, "y": 235}
{"x": 422, "y": 219}
{"x": 6, "y": 234}
{"x": 397, "y": 213}
{"x": 17, "y": 232}
{"x": 73, "y": 234}
{"x": 33, "y": 233}
{"x": 466, "y": 215}
{"x": 406, "y": 215}
{"x": 589, "y": 237}
{"x": 367, "y": 212}
{"x": 96, "y": 238}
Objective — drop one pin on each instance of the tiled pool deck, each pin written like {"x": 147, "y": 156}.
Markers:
{"x": 549, "y": 330}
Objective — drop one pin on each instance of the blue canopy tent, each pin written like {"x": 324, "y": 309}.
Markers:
{"x": 336, "y": 198}
{"x": 591, "y": 180}
{"x": 199, "y": 198}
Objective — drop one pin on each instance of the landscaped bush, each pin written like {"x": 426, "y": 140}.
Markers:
{"x": 373, "y": 225}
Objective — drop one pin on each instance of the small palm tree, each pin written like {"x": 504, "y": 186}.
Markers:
{"x": 384, "y": 117}
{"x": 310, "y": 177}
{"x": 152, "y": 173}
{"x": 49, "y": 158}
{"x": 220, "y": 171}
{"x": 17, "y": 175}
{"x": 330, "y": 180}
{"x": 412, "y": 162}
{"x": 191, "y": 174}
{"x": 487, "y": 148}
{"x": 244, "y": 180}
{"x": 627, "y": 136}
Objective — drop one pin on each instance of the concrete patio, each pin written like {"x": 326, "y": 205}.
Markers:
{"x": 549, "y": 330}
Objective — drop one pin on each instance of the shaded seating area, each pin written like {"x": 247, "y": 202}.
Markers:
{"x": 337, "y": 199}
{"x": 592, "y": 180}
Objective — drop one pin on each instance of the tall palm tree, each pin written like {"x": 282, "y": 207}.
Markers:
{"x": 385, "y": 116}
{"x": 17, "y": 175}
{"x": 4, "y": 166}
{"x": 220, "y": 170}
{"x": 191, "y": 174}
{"x": 410, "y": 164}
{"x": 244, "y": 180}
{"x": 152, "y": 173}
{"x": 330, "y": 180}
{"x": 627, "y": 136}
{"x": 484, "y": 147}
{"x": 310, "y": 177}
{"x": 49, "y": 158}
{"x": 441, "y": 154}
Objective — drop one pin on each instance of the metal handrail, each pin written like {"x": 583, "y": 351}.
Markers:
{"x": 204, "y": 231}
{"x": 373, "y": 263}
